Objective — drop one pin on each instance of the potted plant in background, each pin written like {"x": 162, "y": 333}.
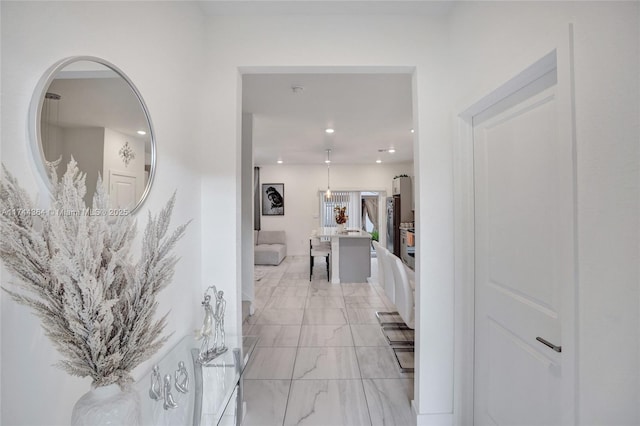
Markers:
{"x": 73, "y": 268}
{"x": 341, "y": 217}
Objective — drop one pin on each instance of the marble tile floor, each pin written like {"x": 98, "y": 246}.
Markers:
{"x": 321, "y": 358}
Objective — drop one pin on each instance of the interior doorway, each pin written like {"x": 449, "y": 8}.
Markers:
{"x": 351, "y": 143}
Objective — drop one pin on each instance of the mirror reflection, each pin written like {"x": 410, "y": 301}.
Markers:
{"x": 89, "y": 111}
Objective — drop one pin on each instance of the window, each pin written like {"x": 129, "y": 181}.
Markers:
{"x": 350, "y": 199}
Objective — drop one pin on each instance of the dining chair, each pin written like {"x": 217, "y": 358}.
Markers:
{"x": 405, "y": 303}
{"x": 404, "y": 296}
{"x": 394, "y": 326}
{"x": 319, "y": 248}
{"x": 378, "y": 249}
{"x": 389, "y": 278}
{"x": 386, "y": 280}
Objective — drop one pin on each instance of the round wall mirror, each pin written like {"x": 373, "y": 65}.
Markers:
{"x": 87, "y": 108}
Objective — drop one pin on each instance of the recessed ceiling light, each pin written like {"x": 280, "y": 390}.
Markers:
{"x": 329, "y": 130}
{"x": 279, "y": 161}
{"x": 378, "y": 161}
{"x": 142, "y": 132}
{"x": 412, "y": 130}
{"x": 391, "y": 150}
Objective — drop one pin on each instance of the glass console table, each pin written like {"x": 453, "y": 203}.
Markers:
{"x": 214, "y": 396}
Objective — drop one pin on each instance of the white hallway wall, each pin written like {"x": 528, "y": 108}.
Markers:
{"x": 251, "y": 43}
{"x": 301, "y": 186}
{"x": 492, "y": 42}
{"x": 165, "y": 66}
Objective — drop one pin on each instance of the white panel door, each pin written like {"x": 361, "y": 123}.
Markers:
{"x": 523, "y": 222}
{"x": 122, "y": 190}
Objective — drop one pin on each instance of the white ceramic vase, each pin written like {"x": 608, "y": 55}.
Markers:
{"x": 107, "y": 405}
{"x": 340, "y": 229}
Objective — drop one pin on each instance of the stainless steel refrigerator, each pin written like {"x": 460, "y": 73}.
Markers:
{"x": 393, "y": 224}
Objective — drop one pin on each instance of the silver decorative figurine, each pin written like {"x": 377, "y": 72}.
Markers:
{"x": 207, "y": 329}
{"x": 221, "y": 306}
{"x": 212, "y": 325}
{"x": 181, "y": 378}
{"x": 169, "y": 402}
{"x": 155, "y": 391}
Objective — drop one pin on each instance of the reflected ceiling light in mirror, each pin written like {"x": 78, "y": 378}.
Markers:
{"x": 329, "y": 130}
{"x": 378, "y": 161}
{"x": 50, "y": 114}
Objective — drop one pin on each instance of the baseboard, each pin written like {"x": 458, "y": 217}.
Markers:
{"x": 436, "y": 419}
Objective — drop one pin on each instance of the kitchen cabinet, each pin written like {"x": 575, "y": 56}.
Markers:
{"x": 408, "y": 247}
{"x": 401, "y": 187}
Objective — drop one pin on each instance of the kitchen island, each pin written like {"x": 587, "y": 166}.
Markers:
{"x": 350, "y": 255}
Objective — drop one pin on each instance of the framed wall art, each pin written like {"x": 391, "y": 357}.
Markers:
{"x": 273, "y": 199}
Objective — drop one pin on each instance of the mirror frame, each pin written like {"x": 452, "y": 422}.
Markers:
{"x": 35, "y": 114}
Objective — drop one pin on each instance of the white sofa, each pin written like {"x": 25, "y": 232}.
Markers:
{"x": 270, "y": 247}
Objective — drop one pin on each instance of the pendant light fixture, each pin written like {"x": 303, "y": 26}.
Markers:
{"x": 50, "y": 116}
{"x": 328, "y": 161}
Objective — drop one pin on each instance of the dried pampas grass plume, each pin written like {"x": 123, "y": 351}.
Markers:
{"x": 73, "y": 268}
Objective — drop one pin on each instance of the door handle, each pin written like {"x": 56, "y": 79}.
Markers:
{"x": 549, "y": 344}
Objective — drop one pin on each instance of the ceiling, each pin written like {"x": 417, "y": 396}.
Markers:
{"x": 326, "y": 7}
{"x": 370, "y": 113}
{"x": 97, "y": 102}
{"x": 93, "y": 95}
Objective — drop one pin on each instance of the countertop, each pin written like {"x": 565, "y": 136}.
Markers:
{"x": 332, "y": 232}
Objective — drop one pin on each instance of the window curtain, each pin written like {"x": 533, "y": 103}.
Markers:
{"x": 354, "y": 211}
{"x": 350, "y": 199}
{"x": 256, "y": 198}
{"x": 370, "y": 208}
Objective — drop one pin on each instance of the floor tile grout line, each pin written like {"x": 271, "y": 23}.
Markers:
{"x": 295, "y": 358}
{"x": 364, "y": 393}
